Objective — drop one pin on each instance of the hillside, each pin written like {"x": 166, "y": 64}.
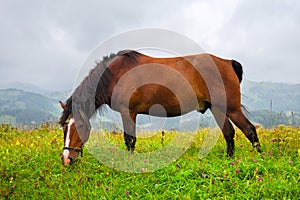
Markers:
{"x": 19, "y": 107}
{"x": 278, "y": 97}
{"x": 28, "y": 87}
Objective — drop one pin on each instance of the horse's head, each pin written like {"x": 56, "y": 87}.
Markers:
{"x": 76, "y": 130}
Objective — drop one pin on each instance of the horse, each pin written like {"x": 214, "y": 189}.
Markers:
{"x": 133, "y": 83}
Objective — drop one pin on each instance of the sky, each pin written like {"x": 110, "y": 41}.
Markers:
{"x": 45, "y": 42}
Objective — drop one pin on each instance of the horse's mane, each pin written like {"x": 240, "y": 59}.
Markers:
{"x": 91, "y": 93}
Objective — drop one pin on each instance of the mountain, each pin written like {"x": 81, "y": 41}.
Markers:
{"x": 278, "y": 97}
{"x": 60, "y": 96}
{"x": 20, "y": 107}
{"x": 28, "y": 87}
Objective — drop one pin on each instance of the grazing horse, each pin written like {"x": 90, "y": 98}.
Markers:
{"x": 132, "y": 83}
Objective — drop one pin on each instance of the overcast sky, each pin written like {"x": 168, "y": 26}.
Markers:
{"x": 45, "y": 42}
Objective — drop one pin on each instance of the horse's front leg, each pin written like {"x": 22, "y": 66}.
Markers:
{"x": 130, "y": 141}
{"x": 129, "y": 121}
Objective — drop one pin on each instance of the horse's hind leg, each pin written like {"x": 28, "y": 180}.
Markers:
{"x": 227, "y": 129}
{"x": 239, "y": 119}
{"x": 129, "y": 130}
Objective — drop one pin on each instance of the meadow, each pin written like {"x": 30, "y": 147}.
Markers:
{"x": 30, "y": 168}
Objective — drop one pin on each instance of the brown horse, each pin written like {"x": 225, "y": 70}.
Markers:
{"x": 133, "y": 83}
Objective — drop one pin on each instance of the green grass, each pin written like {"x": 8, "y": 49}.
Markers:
{"x": 30, "y": 168}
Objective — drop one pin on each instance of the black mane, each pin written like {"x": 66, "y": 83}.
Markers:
{"x": 91, "y": 93}
{"x": 97, "y": 80}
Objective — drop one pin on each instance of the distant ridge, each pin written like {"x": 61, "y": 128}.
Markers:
{"x": 19, "y": 107}
{"x": 279, "y": 97}
{"x": 24, "y": 86}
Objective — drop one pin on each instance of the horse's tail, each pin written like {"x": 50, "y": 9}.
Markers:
{"x": 238, "y": 69}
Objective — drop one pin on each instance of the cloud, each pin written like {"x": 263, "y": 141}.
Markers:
{"x": 265, "y": 36}
{"x": 44, "y": 42}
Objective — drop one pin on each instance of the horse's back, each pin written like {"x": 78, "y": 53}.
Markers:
{"x": 204, "y": 77}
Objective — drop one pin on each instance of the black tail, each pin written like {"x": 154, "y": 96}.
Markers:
{"x": 238, "y": 69}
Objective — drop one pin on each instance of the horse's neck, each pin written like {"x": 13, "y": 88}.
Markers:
{"x": 92, "y": 93}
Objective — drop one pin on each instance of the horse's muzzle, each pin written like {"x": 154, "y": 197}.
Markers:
{"x": 74, "y": 152}
{"x": 67, "y": 161}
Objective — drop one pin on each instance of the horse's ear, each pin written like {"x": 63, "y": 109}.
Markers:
{"x": 62, "y": 105}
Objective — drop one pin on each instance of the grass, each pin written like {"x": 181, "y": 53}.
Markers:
{"x": 30, "y": 168}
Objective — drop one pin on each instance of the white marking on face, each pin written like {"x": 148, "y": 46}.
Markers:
{"x": 66, "y": 152}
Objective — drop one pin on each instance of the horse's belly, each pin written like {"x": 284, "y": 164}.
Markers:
{"x": 159, "y": 100}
